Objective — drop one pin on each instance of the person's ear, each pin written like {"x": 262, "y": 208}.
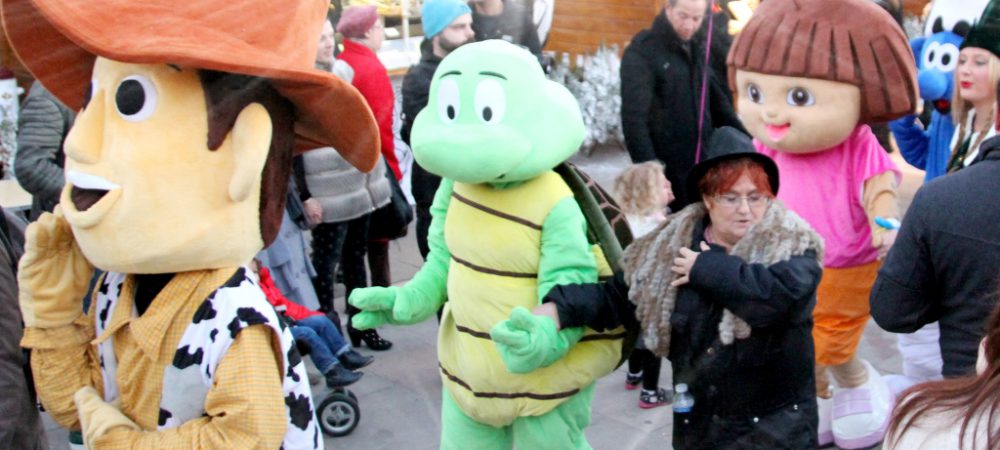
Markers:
{"x": 251, "y": 141}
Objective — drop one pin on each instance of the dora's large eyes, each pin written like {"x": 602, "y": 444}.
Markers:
{"x": 448, "y": 100}
{"x": 136, "y": 98}
{"x": 753, "y": 92}
{"x": 490, "y": 101}
{"x": 800, "y": 96}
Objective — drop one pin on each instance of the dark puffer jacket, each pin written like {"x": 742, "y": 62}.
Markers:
{"x": 42, "y": 128}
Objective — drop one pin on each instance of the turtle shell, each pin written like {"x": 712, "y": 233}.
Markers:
{"x": 606, "y": 227}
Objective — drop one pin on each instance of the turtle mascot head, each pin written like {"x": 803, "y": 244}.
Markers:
{"x": 492, "y": 117}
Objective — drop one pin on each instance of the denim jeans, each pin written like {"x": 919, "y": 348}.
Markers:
{"x": 325, "y": 342}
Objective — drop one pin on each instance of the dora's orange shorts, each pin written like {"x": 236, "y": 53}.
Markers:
{"x": 842, "y": 311}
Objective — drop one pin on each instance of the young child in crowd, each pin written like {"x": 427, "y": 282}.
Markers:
{"x": 332, "y": 355}
{"x": 644, "y": 193}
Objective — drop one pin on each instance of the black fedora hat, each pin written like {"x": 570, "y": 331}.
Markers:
{"x": 725, "y": 144}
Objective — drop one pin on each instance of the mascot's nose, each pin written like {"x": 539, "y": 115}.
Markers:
{"x": 933, "y": 84}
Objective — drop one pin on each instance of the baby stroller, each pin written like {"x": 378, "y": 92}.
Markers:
{"x": 338, "y": 412}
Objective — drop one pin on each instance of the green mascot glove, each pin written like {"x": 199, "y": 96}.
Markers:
{"x": 527, "y": 342}
{"x": 404, "y": 305}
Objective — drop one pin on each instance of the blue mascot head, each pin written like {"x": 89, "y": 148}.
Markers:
{"x": 937, "y": 52}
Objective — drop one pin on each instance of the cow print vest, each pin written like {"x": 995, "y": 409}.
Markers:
{"x": 234, "y": 306}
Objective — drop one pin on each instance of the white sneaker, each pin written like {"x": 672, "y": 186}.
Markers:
{"x": 825, "y": 409}
{"x": 861, "y": 414}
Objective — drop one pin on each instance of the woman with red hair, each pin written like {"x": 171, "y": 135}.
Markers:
{"x": 724, "y": 289}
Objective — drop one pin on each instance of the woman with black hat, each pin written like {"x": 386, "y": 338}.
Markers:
{"x": 976, "y": 77}
{"x": 724, "y": 289}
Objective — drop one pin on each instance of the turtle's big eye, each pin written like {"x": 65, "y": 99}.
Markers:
{"x": 136, "y": 98}
{"x": 448, "y": 100}
{"x": 490, "y": 101}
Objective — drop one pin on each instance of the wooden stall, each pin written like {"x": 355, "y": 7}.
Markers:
{"x": 581, "y": 26}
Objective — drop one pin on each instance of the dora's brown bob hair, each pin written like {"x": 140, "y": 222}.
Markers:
{"x": 847, "y": 41}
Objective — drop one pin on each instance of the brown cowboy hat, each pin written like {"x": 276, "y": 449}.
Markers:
{"x": 58, "y": 40}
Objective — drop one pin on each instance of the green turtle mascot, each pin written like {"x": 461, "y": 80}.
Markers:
{"x": 506, "y": 229}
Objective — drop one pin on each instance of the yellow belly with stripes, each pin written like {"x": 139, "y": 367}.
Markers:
{"x": 495, "y": 239}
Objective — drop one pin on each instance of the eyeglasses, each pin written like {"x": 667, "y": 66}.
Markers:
{"x": 733, "y": 201}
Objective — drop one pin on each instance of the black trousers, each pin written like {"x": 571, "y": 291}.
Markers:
{"x": 642, "y": 360}
{"x": 342, "y": 243}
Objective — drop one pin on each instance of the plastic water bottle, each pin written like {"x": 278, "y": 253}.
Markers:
{"x": 683, "y": 400}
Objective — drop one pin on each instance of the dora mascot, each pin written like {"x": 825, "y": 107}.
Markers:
{"x": 808, "y": 75}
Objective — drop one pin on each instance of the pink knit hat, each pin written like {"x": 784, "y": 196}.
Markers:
{"x": 357, "y": 20}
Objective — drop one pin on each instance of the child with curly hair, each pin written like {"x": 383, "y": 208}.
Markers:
{"x": 644, "y": 193}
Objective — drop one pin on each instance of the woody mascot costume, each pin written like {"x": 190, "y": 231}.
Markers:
{"x": 176, "y": 176}
{"x": 808, "y": 75}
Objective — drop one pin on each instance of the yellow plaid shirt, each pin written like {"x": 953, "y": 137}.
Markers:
{"x": 245, "y": 406}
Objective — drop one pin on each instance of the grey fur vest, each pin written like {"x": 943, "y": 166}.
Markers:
{"x": 779, "y": 235}
{"x": 344, "y": 192}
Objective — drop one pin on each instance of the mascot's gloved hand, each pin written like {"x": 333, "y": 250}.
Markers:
{"x": 98, "y": 417}
{"x": 394, "y": 305}
{"x": 53, "y": 274}
{"x": 527, "y": 342}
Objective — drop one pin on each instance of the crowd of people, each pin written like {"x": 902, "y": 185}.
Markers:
{"x": 751, "y": 271}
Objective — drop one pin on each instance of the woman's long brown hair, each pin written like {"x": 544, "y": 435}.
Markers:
{"x": 975, "y": 399}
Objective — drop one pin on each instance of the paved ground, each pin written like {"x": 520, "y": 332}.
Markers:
{"x": 400, "y": 394}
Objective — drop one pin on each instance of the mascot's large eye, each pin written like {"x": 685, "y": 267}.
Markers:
{"x": 753, "y": 91}
{"x": 799, "y": 96}
{"x": 930, "y": 54}
{"x": 490, "y": 101}
{"x": 448, "y": 100}
{"x": 948, "y": 60}
{"x": 136, "y": 98}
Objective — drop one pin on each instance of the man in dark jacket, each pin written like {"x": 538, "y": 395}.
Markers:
{"x": 20, "y": 425}
{"x": 42, "y": 127}
{"x": 447, "y": 26}
{"x": 505, "y": 19}
{"x": 661, "y": 75}
{"x": 945, "y": 263}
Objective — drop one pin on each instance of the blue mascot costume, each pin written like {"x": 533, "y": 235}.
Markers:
{"x": 937, "y": 57}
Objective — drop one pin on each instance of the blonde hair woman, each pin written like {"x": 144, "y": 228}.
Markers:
{"x": 976, "y": 90}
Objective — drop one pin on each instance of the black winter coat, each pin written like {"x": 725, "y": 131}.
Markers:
{"x": 945, "y": 263}
{"x": 416, "y": 89}
{"x": 661, "y": 78}
{"x": 757, "y": 392}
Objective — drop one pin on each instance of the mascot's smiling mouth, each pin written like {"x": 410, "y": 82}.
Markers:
{"x": 87, "y": 189}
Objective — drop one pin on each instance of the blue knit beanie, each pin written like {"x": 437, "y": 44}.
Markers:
{"x": 438, "y": 14}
